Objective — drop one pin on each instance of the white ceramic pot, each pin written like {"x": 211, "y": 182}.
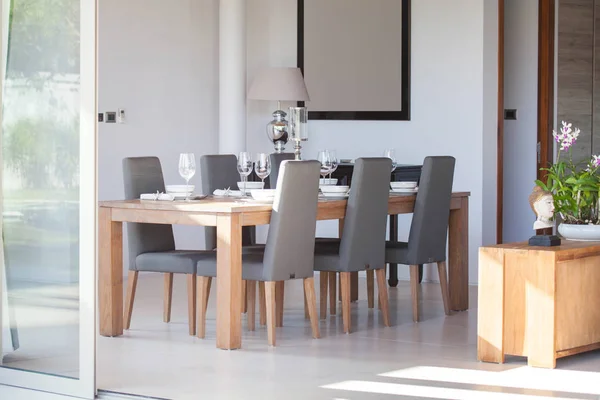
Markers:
{"x": 579, "y": 232}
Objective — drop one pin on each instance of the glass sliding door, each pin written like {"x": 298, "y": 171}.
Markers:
{"x": 48, "y": 196}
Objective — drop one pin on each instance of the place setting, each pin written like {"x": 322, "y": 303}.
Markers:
{"x": 248, "y": 190}
{"x": 406, "y": 188}
{"x": 187, "y": 170}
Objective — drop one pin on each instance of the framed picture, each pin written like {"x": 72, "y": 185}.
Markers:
{"x": 355, "y": 57}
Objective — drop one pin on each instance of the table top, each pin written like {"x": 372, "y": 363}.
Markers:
{"x": 566, "y": 246}
{"x": 214, "y": 204}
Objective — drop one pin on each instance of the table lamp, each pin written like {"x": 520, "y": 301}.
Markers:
{"x": 279, "y": 84}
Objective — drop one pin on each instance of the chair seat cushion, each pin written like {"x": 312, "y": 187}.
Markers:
{"x": 327, "y": 243}
{"x": 396, "y": 253}
{"x": 175, "y": 261}
{"x": 252, "y": 265}
{"x": 327, "y": 257}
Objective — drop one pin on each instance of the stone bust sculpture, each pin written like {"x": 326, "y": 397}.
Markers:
{"x": 542, "y": 204}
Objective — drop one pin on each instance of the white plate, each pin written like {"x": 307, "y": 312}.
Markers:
{"x": 339, "y": 190}
{"x": 263, "y": 194}
{"x": 415, "y": 190}
{"x": 180, "y": 188}
{"x": 403, "y": 185}
{"x": 225, "y": 193}
{"x": 250, "y": 185}
{"x": 336, "y": 195}
{"x": 328, "y": 182}
{"x": 181, "y": 196}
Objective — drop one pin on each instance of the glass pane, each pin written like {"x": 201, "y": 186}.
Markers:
{"x": 40, "y": 187}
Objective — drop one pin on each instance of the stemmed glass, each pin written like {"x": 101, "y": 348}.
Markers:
{"x": 244, "y": 167}
{"x": 325, "y": 159}
{"x": 187, "y": 169}
{"x": 262, "y": 167}
{"x": 391, "y": 154}
{"x": 334, "y": 163}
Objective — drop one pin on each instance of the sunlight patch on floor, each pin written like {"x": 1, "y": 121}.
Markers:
{"x": 579, "y": 382}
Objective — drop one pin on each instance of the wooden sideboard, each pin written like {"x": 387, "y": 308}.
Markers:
{"x": 538, "y": 302}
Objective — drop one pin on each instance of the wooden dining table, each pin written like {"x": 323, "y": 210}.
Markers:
{"x": 229, "y": 215}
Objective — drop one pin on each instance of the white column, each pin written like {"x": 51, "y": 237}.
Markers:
{"x": 232, "y": 76}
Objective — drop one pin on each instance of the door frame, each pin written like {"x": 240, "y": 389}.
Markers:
{"x": 546, "y": 80}
{"x": 39, "y": 385}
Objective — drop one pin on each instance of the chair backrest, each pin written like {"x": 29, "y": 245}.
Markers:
{"x": 276, "y": 160}
{"x": 144, "y": 175}
{"x": 219, "y": 171}
{"x": 429, "y": 227}
{"x": 363, "y": 236}
{"x": 289, "y": 253}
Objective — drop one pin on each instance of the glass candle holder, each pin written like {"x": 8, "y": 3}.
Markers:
{"x": 298, "y": 128}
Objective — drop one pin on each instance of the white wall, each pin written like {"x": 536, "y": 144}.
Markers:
{"x": 158, "y": 59}
{"x": 520, "y": 136}
{"x": 454, "y": 98}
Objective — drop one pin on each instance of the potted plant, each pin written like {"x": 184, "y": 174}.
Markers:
{"x": 575, "y": 189}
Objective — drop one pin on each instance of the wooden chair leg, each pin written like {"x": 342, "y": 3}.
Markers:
{"x": 207, "y": 293}
{"x": 332, "y": 294}
{"x": 270, "y": 294}
{"x": 306, "y": 314}
{"x": 244, "y": 297}
{"x": 191, "y": 292}
{"x": 262, "y": 305}
{"x": 370, "y": 288}
{"x": 168, "y": 285}
{"x": 132, "y": 278}
{"x": 345, "y": 287}
{"x": 414, "y": 291}
{"x": 444, "y": 284}
{"x": 279, "y": 291}
{"x": 323, "y": 282}
{"x": 383, "y": 295}
{"x": 203, "y": 286}
{"x": 311, "y": 300}
{"x": 251, "y": 292}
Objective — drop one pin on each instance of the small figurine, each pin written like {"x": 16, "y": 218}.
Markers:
{"x": 542, "y": 204}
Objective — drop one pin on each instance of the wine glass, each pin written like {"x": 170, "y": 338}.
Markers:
{"x": 262, "y": 166}
{"x": 244, "y": 167}
{"x": 325, "y": 160}
{"x": 334, "y": 163}
{"x": 391, "y": 154}
{"x": 187, "y": 169}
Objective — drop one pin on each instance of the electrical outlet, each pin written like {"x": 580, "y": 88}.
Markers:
{"x": 100, "y": 117}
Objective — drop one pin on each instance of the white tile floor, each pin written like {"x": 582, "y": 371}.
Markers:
{"x": 435, "y": 358}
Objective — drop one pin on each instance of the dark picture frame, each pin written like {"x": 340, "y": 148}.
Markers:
{"x": 401, "y": 115}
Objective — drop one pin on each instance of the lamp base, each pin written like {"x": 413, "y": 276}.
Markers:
{"x": 297, "y": 149}
{"x": 279, "y": 146}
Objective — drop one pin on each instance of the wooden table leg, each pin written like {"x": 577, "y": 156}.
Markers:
{"x": 229, "y": 281}
{"x": 110, "y": 274}
{"x": 393, "y": 268}
{"x": 458, "y": 256}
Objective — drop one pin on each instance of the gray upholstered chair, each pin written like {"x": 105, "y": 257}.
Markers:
{"x": 219, "y": 171}
{"x": 276, "y": 160}
{"x": 152, "y": 246}
{"x": 429, "y": 228}
{"x": 362, "y": 244}
{"x": 289, "y": 252}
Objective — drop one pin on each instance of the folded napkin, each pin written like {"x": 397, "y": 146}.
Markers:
{"x": 157, "y": 196}
{"x": 227, "y": 192}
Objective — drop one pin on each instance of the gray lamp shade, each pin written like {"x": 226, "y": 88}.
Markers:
{"x": 279, "y": 84}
